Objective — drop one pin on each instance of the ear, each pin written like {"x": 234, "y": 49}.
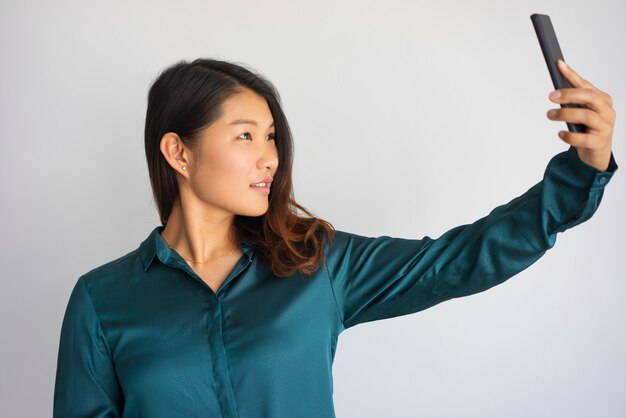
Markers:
{"x": 175, "y": 153}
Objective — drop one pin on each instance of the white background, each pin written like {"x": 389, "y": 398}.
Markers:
{"x": 409, "y": 118}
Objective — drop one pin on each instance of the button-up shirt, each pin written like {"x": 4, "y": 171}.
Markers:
{"x": 145, "y": 336}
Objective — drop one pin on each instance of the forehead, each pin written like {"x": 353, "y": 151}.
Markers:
{"x": 246, "y": 105}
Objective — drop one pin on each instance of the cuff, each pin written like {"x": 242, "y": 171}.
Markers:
{"x": 593, "y": 177}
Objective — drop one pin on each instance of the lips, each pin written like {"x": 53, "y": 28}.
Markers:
{"x": 261, "y": 184}
{"x": 265, "y": 190}
{"x": 267, "y": 181}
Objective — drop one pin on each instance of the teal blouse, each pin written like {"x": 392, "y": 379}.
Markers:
{"x": 144, "y": 336}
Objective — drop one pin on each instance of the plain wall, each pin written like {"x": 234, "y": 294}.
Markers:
{"x": 409, "y": 118}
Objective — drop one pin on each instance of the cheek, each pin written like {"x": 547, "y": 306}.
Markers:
{"x": 221, "y": 173}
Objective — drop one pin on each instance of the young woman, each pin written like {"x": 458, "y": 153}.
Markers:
{"x": 232, "y": 307}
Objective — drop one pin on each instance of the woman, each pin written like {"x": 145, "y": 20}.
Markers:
{"x": 233, "y": 306}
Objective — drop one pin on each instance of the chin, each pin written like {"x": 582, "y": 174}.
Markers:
{"x": 254, "y": 213}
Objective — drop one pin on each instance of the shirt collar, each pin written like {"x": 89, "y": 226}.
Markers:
{"x": 154, "y": 245}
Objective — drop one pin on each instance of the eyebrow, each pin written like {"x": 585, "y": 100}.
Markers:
{"x": 246, "y": 121}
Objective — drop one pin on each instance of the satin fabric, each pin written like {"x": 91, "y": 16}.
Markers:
{"x": 144, "y": 336}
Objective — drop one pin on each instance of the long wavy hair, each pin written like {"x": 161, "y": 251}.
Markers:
{"x": 185, "y": 99}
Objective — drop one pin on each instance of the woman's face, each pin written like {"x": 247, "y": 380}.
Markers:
{"x": 233, "y": 154}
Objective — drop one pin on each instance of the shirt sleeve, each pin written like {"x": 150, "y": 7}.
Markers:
{"x": 374, "y": 278}
{"x": 86, "y": 384}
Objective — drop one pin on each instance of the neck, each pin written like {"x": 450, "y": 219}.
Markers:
{"x": 199, "y": 236}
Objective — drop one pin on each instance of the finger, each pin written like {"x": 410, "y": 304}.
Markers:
{"x": 587, "y": 117}
{"x": 579, "y": 139}
{"x": 572, "y": 76}
{"x": 577, "y": 81}
{"x": 593, "y": 99}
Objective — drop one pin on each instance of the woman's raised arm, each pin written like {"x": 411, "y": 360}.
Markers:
{"x": 374, "y": 278}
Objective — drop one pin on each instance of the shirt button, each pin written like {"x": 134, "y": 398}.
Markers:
{"x": 602, "y": 180}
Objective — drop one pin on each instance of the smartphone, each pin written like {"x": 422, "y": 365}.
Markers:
{"x": 552, "y": 53}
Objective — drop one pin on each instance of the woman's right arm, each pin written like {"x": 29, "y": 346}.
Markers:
{"x": 86, "y": 384}
{"x": 375, "y": 278}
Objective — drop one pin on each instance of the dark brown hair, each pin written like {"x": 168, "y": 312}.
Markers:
{"x": 186, "y": 98}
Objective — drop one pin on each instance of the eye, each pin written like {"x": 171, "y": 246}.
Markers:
{"x": 271, "y": 136}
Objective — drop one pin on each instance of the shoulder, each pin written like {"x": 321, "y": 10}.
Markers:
{"x": 113, "y": 274}
{"x": 343, "y": 238}
{"x": 343, "y": 241}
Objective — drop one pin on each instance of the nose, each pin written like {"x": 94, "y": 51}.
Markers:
{"x": 269, "y": 158}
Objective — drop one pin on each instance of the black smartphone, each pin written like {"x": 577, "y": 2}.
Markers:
{"x": 552, "y": 53}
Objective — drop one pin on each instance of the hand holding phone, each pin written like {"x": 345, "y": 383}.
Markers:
{"x": 552, "y": 53}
